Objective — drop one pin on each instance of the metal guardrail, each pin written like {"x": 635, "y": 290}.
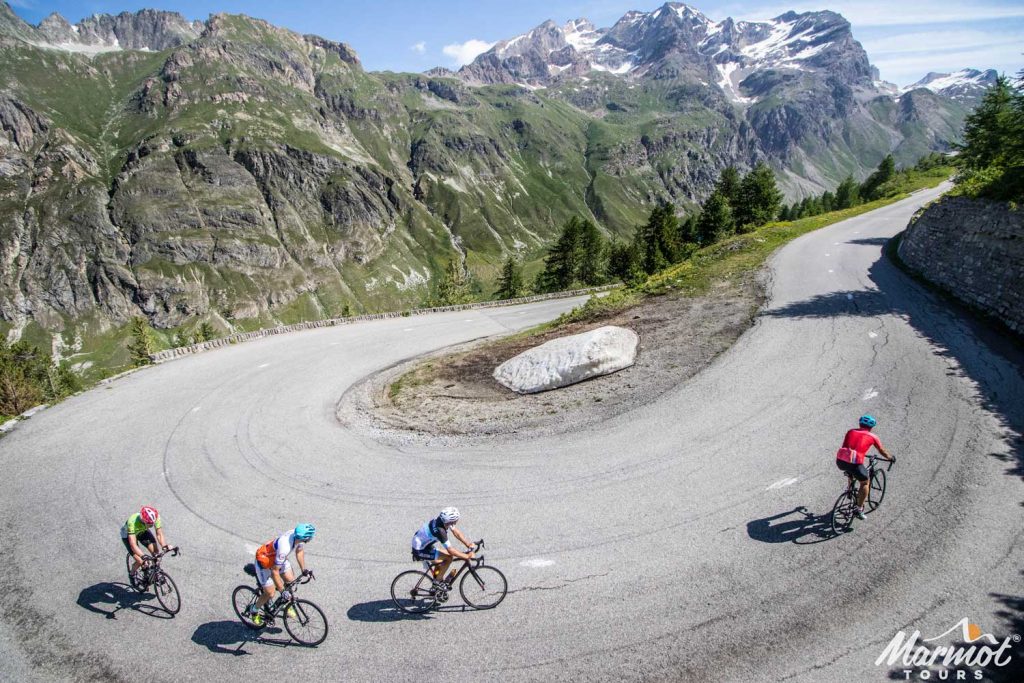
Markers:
{"x": 240, "y": 337}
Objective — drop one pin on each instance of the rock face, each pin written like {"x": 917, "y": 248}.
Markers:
{"x": 568, "y": 360}
{"x": 974, "y": 249}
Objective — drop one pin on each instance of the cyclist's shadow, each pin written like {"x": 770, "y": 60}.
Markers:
{"x": 377, "y": 611}
{"x": 805, "y": 528}
{"x": 119, "y": 596}
{"x": 230, "y": 636}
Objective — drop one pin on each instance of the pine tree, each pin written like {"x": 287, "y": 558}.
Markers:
{"x": 688, "y": 230}
{"x": 562, "y": 263}
{"x": 991, "y": 159}
{"x": 657, "y": 240}
{"x": 715, "y": 220}
{"x": 989, "y": 128}
{"x": 828, "y": 201}
{"x": 728, "y": 185}
{"x": 510, "y": 284}
{"x": 592, "y": 255}
{"x": 624, "y": 262}
{"x": 759, "y": 198}
{"x": 870, "y": 188}
{"x": 141, "y": 346}
{"x": 846, "y": 193}
{"x": 451, "y": 287}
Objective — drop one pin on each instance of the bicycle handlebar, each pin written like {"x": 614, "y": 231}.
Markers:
{"x": 303, "y": 578}
{"x": 171, "y": 551}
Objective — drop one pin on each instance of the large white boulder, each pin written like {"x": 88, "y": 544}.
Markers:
{"x": 568, "y": 360}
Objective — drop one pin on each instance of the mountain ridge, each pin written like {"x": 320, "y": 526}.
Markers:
{"x": 249, "y": 175}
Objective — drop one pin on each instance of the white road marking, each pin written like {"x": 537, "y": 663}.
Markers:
{"x": 536, "y": 562}
{"x": 265, "y": 365}
{"x": 869, "y": 394}
{"x": 469, "y": 320}
{"x": 872, "y": 334}
{"x": 783, "y": 483}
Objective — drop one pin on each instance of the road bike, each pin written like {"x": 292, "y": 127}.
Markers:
{"x": 305, "y": 622}
{"x": 845, "y": 509}
{"x": 482, "y": 586}
{"x": 152, "y": 575}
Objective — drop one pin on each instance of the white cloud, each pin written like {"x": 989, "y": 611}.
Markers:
{"x": 23, "y": 4}
{"x": 419, "y": 48}
{"x": 464, "y": 53}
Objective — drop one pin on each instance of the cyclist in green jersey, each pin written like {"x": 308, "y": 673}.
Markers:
{"x": 137, "y": 533}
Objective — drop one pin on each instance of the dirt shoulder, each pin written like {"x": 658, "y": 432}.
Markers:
{"x": 452, "y": 396}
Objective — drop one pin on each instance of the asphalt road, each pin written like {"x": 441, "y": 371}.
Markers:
{"x": 668, "y": 543}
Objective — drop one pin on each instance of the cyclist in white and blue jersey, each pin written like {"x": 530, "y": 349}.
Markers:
{"x": 431, "y": 543}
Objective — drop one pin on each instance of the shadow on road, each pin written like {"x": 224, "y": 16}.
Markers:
{"x": 230, "y": 636}
{"x": 982, "y": 351}
{"x": 385, "y": 610}
{"x": 381, "y": 611}
{"x": 119, "y": 596}
{"x": 870, "y": 241}
{"x": 802, "y": 527}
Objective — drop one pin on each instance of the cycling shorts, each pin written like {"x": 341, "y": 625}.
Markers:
{"x": 265, "y": 578}
{"x": 143, "y": 540}
{"x": 429, "y": 553}
{"x": 859, "y": 472}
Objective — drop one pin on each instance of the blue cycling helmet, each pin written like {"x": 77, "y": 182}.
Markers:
{"x": 868, "y": 421}
{"x": 305, "y": 532}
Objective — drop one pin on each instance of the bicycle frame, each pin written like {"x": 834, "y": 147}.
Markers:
{"x": 290, "y": 586}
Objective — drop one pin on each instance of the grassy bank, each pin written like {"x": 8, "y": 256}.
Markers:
{"x": 731, "y": 259}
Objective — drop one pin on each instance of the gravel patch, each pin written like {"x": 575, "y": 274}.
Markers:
{"x": 451, "y": 398}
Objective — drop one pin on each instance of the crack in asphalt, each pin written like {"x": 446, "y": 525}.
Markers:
{"x": 565, "y": 583}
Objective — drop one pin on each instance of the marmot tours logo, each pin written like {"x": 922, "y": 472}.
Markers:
{"x": 967, "y": 659}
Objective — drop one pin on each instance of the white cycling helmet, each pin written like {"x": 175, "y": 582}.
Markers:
{"x": 449, "y": 516}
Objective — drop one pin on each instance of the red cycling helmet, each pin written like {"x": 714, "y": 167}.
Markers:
{"x": 148, "y": 514}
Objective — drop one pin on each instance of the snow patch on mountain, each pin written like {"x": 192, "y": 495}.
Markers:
{"x": 729, "y": 83}
{"x": 960, "y": 84}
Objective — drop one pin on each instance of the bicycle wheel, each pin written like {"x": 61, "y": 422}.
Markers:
{"x": 241, "y": 598}
{"x": 305, "y": 622}
{"x": 483, "y": 587}
{"x": 877, "y": 491}
{"x": 842, "y": 514}
{"x": 412, "y": 592}
{"x": 167, "y": 592}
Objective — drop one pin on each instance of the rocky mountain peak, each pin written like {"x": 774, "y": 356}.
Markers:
{"x": 143, "y": 30}
{"x": 684, "y": 41}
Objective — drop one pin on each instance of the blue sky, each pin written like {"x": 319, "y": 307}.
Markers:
{"x": 904, "y": 39}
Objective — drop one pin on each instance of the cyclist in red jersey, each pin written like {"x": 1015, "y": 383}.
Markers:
{"x": 850, "y": 458}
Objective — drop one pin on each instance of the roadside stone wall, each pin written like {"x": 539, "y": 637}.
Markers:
{"x": 974, "y": 249}
{"x": 171, "y": 354}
